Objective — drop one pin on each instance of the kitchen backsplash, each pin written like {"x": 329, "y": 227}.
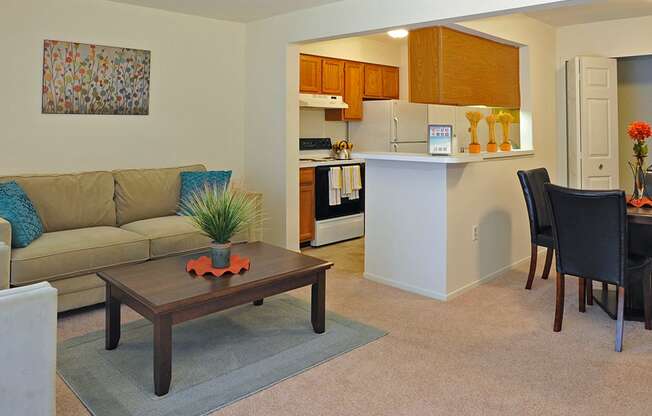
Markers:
{"x": 312, "y": 124}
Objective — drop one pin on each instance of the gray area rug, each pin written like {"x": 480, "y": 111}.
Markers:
{"x": 216, "y": 360}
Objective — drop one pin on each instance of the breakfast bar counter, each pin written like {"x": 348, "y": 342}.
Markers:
{"x": 423, "y": 214}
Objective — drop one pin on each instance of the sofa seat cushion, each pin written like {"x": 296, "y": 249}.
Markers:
{"x": 169, "y": 235}
{"x": 76, "y": 252}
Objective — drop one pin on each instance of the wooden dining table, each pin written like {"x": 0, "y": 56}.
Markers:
{"x": 640, "y": 242}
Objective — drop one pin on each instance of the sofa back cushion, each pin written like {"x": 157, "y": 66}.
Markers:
{"x": 69, "y": 201}
{"x": 148, "y": 193}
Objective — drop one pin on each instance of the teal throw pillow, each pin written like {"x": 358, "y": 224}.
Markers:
{"x": 192, "y": 182}
{"x": 17, "y": 208}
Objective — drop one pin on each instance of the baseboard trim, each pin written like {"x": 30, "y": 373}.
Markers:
{"x": 489, "y": 277}
{"x": 455, "y": 293}
{"x": 408, "y": 288}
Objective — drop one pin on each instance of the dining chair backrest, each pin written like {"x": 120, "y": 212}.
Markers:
{"x": 648, "y": 183}
{"x": 590, "y": 232}
{"x": 532, "y": 182}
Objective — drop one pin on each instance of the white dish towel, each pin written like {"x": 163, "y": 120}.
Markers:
{"x": 334, "y": 186}
{"x": 351, "y": 182}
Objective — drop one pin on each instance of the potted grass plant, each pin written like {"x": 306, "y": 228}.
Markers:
{"x": 220, "y": 213}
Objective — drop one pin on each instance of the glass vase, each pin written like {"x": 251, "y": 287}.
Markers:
{"x": 638, "y": 170}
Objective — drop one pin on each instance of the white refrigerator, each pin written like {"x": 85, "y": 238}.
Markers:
{"x": 391, "y": 126}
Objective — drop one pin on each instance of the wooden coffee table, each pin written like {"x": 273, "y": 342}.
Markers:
{"x": 164, "y": 293}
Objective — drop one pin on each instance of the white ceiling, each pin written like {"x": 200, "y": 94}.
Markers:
{"x": 596, "y": 11}
{"x": 235, "y": 10}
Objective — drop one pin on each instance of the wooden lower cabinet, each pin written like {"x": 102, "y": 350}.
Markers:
{"x": 306, "y": 204}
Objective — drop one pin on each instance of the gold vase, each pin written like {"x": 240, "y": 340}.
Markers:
{"x": 505, "y": 119}
{"x": 474, "y": 118}
{"x": 491, "y": 125}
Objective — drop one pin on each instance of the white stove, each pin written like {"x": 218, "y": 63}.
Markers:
{"x": 338, "y": 222}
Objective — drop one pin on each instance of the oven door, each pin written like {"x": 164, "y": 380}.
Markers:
{"x": 323, "y": 211}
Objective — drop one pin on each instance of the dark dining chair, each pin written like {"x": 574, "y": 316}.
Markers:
{"x": 591, "y": 240}
{"x": 532, "y": 182}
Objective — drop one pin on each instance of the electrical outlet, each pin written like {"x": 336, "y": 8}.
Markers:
{"x": 475, "y": 233}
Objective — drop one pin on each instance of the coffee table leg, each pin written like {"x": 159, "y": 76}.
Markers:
{"x": 111, "y": 321}
{"x": 258, "y": 302}
{"x": 318, "y": 304}
{"x": 162, "y": 354}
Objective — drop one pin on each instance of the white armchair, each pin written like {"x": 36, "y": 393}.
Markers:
{"x": 28, "y": 347}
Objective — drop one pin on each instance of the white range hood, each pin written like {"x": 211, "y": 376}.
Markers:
{"x": 322, "y": 101}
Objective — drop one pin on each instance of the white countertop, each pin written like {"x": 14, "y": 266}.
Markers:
{"x": 451, "y": 159}
{"x": 419, "y": 157}
{"x": 312, "y": 164}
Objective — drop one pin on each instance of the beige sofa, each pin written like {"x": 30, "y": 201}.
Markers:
{"x": 95, "y": 220}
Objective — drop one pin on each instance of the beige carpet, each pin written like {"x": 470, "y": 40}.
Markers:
{"x": 490, "y": 351}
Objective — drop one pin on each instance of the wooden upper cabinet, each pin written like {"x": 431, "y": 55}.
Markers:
{"x": 354, "y": 81}
{"x": 451, "y": 67}
{"x": 390, "y": 82}
{"x": 373, "y": 81}
{"x": 310, "y": 74}
{"x": 353, "y": 90}
{"x": 423, "y": 65}
{"x": 332, "y": 76}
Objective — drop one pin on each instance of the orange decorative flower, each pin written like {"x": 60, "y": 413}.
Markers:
{"x": 639, "y": 131}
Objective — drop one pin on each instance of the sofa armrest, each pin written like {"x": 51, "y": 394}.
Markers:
{"x": 5, "y": 252}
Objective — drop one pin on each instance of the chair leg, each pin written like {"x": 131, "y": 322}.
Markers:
{"x": 533, "y": 267}
{"x": 589, "y": 292}
{"x": 546, "y": 267}
{"x": 620, "y": 319}
{"x": 559, "y": 309}
{"x": 582, "y": 294}
{"x": 647, "y": 301}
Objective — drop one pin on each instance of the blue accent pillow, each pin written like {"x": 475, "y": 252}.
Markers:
{"x": 17, "y": 208}
{"x": 196, "y": 181}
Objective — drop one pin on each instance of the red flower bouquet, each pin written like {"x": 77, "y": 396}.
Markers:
{"x": 639, "y": 131}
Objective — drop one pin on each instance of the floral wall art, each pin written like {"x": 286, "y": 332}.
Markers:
{"x": 80, "y": 78}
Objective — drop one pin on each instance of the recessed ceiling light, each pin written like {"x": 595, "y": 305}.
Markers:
{"x": 398, "y": 33}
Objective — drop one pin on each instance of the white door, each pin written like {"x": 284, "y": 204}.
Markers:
{"x": 594, "y": 117}
{"x": 410, "y": 122}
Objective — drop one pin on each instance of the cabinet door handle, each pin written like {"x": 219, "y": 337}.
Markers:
{"x": 395, "y": 148}
{"x": 600, "y": 167}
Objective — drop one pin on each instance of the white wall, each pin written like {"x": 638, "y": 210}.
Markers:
{"x": 272, "y": 88}
{"x": 358, "y": 48}
{"x": 488, "y": 194}
{"x": 613, "y": 39}
{"x": 196, "y": 96}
